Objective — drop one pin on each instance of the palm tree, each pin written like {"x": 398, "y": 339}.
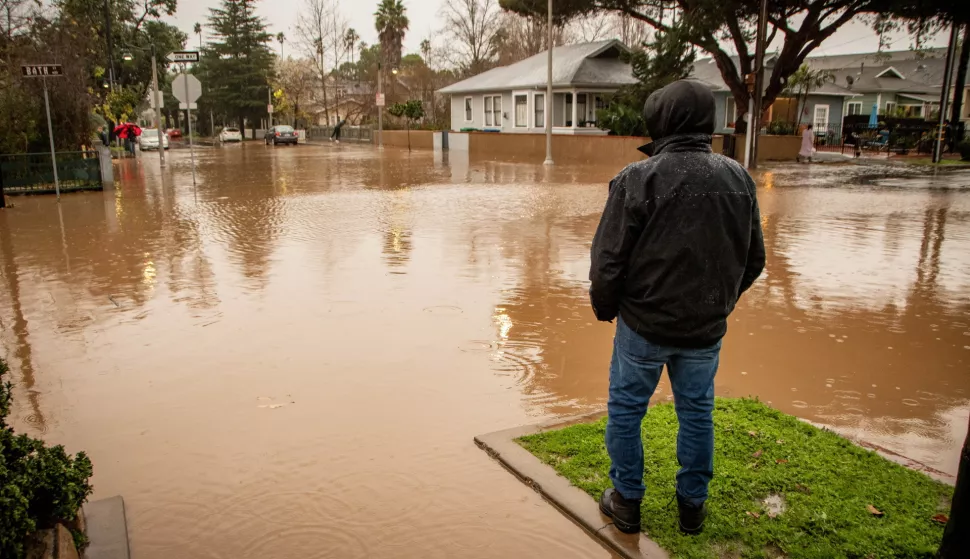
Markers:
{"x": 804, "y": 81}
{"x": 198, "y": 31}
{"x": 281, "y": 38}
{"x": 391, "y": 22}
{"x": 350, "y": 39}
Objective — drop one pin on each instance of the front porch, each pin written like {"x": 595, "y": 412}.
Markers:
{"x": 573, "y": 111}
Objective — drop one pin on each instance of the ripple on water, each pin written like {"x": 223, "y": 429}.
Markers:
{"x": 799, "y": 404}
{"x": 518, "y": 360}
{"x": 910, "y": 402}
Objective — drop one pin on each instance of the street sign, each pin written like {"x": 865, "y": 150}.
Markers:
{"x": 269, "y": 108}
{"x": 186, "y": 88}
{"x": 183, "y": 56}
{"x": 380, "y": 99}
{"x": 46, "y": 71}
{"x": 41, "y": 70}
{"x": 151, "y": 100}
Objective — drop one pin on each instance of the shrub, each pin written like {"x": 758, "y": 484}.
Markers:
{"x": 964, "y": 149}
{"x": 39, "y": 485}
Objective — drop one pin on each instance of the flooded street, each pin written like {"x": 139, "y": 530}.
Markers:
{"x": 292, "y": 359}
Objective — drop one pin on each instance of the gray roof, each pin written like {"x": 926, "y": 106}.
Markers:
{"x": 589, "y": 65}
{"x": 705, "y": 70}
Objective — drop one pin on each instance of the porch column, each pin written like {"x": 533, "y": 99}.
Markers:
{"x": 575, "y": 104}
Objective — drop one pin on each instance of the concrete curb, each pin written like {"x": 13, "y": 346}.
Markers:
{"x": 579, "y": 507}
{"x": 555, "y": 489}
{"x": 107, "y": 529}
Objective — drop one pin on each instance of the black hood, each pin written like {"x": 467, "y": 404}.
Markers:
{"x": 683, "y": 107}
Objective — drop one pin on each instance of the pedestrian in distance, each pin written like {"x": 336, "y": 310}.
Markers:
{"x": 335, "y": 137}
{"x": 808, "y": 145}
{"x": 679, "y": 241}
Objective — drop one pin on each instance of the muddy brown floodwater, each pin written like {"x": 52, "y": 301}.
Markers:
{"x": 292, "y": 359}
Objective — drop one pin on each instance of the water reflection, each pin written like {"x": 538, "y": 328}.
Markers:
{"x": 399, "y": 304}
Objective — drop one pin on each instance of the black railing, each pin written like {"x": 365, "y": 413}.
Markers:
{"x": 32, "y": 173}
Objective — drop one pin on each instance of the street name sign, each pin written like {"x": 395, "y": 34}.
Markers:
{"x": 41, "y": 70}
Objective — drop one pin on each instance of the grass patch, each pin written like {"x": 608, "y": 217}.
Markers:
{"x": 929, "y": 161}
{"x": 825, "y": 483}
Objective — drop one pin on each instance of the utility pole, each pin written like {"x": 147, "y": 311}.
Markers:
{"x": 380, "y": 107}
{"x": 754, "y": 120}
{"x": 548, "y": 100}
{"x": 107, "y": 31}
{"x": 945, "y": 94}
{"x": 158, "y": 108}
{"x": 269, "y": 106}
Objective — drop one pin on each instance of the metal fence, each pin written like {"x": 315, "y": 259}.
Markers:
{"x": 898, "y": 137}
{"x": 32, "y": 173}
{"x": 360, "y": 134}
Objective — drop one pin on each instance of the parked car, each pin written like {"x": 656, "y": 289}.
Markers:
{"x": 174, "y": 134}
{"x": 230, "y": 134}
{"x": 281, "y": 135}
{"x": 149, "y": 139}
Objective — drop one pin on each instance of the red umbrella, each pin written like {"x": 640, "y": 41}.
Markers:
{"x": 121, "y": 131}
{"x": 135, "y": 129}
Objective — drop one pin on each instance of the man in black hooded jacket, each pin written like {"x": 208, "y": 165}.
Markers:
{"x": 680, "y": 240}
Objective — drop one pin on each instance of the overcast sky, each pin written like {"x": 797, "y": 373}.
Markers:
{"x": 281, "y": 15}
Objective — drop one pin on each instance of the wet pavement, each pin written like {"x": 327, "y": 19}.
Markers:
{"x": 292, "y": 359}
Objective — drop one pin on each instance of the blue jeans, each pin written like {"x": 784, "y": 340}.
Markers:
{"x": 634, "y": 373}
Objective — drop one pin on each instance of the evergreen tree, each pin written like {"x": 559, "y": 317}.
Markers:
{"x": 238, "y": 62}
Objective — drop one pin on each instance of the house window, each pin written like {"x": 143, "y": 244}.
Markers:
{"x": 468, "y": 109}
{"x": 568, "y": 109}
{"x": 599, "y": 103}
{"x": 521, "y": 103}
{"x": 581, "y": 110}
{"x": 890, "y": 107}
{"x": 539, "y": 103}
{"x": 493, "y": 110}
{"x": 913, "y": 111}
{"x": 730, "y": 113}
{"x": 854, "y": 108}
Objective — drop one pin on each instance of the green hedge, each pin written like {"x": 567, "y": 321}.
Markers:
{"x": 40, "y": 486}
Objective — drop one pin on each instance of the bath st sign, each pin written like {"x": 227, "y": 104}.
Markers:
{"x": 184, "y": 56}
{"x": 41, "y": 70}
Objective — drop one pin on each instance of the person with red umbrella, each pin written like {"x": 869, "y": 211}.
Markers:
{"x": 129, "y": 132}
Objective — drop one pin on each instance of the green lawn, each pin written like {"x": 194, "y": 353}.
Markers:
{"x": 929, "y": 161}
{"x": 827, "y": 485}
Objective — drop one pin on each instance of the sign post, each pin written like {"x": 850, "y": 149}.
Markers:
{"x": 187, "y": 89}
{"x": 45, "y": 71}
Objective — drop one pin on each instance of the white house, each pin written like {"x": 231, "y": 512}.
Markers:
{"x": 512, "y": 98}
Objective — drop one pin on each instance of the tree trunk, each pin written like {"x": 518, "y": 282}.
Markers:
{"x": 956, "y": 536}
{"x": 961, "y": 84}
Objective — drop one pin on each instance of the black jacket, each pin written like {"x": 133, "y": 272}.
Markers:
{"x": 680, "y": 239}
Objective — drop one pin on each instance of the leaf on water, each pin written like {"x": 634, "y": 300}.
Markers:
{"x": 940, "y": 519}
{"x": 874, "y": 511}
{"x": 758, "y": 454}
{"x": 781, "y": 461}
{"x": 803, "y": 489}
{"x": 753, "y": 433}
{"x": 753, "y": 514}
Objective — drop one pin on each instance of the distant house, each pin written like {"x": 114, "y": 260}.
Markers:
{"x": 823, "y": 108}
{"x": 903, "y": 82}
{"x": 512, "y": 98}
